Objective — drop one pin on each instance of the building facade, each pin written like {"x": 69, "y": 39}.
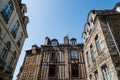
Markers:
{"x": 31, "y": 64}
{"x": 102, "y": 44}
{"x": 59, "y": 61}
{"x": 12, "y": 35}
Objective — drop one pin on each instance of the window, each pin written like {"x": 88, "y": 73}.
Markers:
{"x": 88, "y": 61}
{"x": 74, "y": 54}
{"x": 118, "y": 9}
{"x": 6, "y": 12}
{"x": 9, "y": 67}
{"x": 105, "y": 72}
{"x": 52, "y": 70}
{"x": 20, "y": 39}
{"x": 52, "y": 56}
{"x": 31, "y": 74}
{"x": 34, "y": 58}
{"x": 92, "y": 53}
{"x": 98, "y": 44}
{"x": 15, "y": 29}
{"x": 73, "y": 43}
{"x": 74, "y": 69}
{"x": 90, "y": 77}
{"x": 5, "y": 52}
{"x": 24, "y": 73}
{"x": 27, "y": 59}
{"x": 54, "y": 43}
{"x": 96, "y": 75}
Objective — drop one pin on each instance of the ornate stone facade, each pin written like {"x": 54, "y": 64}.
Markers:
{"x": 12, "y": 35}
{"x": 59, "y": 61}
{"x": 31, "y": 65}
{"x": 102, "y": 44}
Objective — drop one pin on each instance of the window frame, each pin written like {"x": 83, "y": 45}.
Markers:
{"x": 7, "y": 11}
{"x": 11, "y": 63}
{"x": 20, "y": 39}
{"x": 92, "y": 53}
{"x": 54, "y": 43}
{"x": 6, "y": 48}
{"x": 74, "y": 54}
{"x": 98, "y": 44}
{"x": 90, "y": 77}
{"x": 96, "y": 75}
{"x": 105, "y": 72}
{"x": 52, "y": 55}
{"x": 15, "y": 29}
{"x": 88, "y": 59}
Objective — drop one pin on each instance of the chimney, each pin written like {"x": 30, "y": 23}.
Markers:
{"x": 66, "y": 40}
{"x": 47, "y": 41}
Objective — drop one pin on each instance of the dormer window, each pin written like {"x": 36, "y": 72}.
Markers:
{"x": 118, "y": 9}
{"x": 54, "y": 43}
{"x": 34, "y": 47}
{"x": 73, "y": 41}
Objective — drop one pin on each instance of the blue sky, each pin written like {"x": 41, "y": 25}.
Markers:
{"x": 56, "y": 19}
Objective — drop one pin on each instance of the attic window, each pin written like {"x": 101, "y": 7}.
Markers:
{"x": 54, "y": 43}
{"x": 118, "y": 9}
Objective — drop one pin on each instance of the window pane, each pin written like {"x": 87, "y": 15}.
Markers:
{"x": 20, "y": 39}
{"x": 74, "y": 54}
{"x": 15, "y": 29}
{"x": 54, "y": 43}
{"x": 105, "y": 72}
{"x": 96, "y": 75}
{"x": 98, "y": 44}
{"x": 7, "y": 10}
{"x": 92, "y": 54}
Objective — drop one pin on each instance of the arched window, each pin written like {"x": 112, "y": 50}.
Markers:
{"x": 5, "y": 51}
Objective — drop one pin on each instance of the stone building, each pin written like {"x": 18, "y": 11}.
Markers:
{"x": 12, "y": 35}
{"x": 102, "y": 44}
{"x": 57, "y": 61}
{"x": 31, "y": 64}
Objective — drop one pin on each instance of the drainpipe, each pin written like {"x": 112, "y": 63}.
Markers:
{"x": 108, "y": 25}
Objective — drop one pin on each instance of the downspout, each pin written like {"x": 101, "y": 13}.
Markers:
{"x": 108, "y": 25}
